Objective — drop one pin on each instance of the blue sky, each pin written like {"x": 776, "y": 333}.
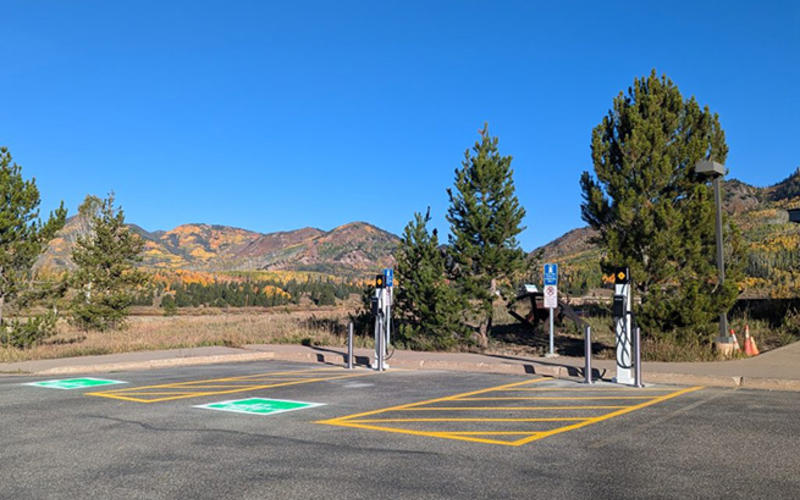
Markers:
{"x": 279, "y": 115}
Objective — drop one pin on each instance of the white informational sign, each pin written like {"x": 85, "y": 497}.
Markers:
{"x": 550, "y": 296}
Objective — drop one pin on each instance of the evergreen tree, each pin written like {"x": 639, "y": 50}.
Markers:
{"x": 429, "y": 308}
{"x": 485, "y": 217}
{"x": 106, "y": 278}
{"x": 23, "y": 236}
{"x": 653, "y": 214}
{"x": 169, "y": 306}
{"x": 326, "y": 296}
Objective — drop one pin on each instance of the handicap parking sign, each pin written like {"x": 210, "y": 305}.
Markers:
{"x": 550, "y": 274}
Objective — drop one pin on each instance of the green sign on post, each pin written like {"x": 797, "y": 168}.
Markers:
{"x": 258, "y": 406}
{"x": 74, "y": 383}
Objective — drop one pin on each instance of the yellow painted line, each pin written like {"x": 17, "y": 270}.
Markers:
{"x": 116, "y": 396}
{"x": 162, "y": 393}
{"x": 336, "y": 421}
{"x": 553, "y": 398}
{"x": 544, "y": 419}
{"x": 231, "y": 391}
{"x": 490, "y": 433}
{"x": 243, "y": 378}
{"x": 593, "y": 389}
{"x": 221, "y": 386}
{"x": 507, "y": 408}
{"x": 608, "y": 415}
{"x": 175, "y": 385}
{"x": 124, "y": 394}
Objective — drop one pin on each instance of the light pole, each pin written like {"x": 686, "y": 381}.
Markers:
{"x": 716, "y": 171}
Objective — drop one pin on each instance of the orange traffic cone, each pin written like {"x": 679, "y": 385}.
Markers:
{"x": 736, "y": 347}
{"x": 749, "y": 343}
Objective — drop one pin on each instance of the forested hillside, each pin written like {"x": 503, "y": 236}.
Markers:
{"x": 772, "y": 243}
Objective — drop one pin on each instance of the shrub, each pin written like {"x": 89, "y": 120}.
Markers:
{"x": 24, "y": 334}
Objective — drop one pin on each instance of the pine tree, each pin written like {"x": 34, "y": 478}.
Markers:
{"x": 106, "y": 278}
{"x": 429, "y": 308}
{"x": 653, "y": 214}
{"x": 23, "y": 236}
{"x": 485, "y": 217}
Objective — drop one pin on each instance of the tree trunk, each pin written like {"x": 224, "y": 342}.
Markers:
{"x": 483, "y": 334}
{"x": 485, "y": 328}
{"x": 493, "y": 294}
{"x": 2, "y": 303}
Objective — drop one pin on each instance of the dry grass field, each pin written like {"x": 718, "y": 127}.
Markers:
{"x": 193, "y": 329}
{"x": 149, "y": 329}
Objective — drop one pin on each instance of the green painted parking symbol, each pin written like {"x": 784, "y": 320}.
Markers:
{"x": 74, "y": 383}
{"x": 258, "y": 406}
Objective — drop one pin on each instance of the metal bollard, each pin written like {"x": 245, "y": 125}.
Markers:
{"x": 350, "y": 346}
{"x": 637, "y": 347}
{"x": 587, "y": 369}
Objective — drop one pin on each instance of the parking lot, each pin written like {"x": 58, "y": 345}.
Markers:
{"x": 289, "y": 430}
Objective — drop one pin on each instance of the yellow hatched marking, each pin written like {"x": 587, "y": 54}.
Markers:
{"x": 507, "y": 408}
{"x": 608, "y": 415}
{"x": 228, "y": 391}
{"x": 357, "y": 420}
{"x": 212, "y": 381}
{"x": 242, "y": 378}
{"x": 428, "y": 401}
{"x": 544, "y": 419}
{"x": 343, "y": 421}
{"x": 125, "y": 394}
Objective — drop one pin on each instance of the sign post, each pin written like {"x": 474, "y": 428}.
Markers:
{"x": 551, "y": 298}
{"x": 388, "y": 278}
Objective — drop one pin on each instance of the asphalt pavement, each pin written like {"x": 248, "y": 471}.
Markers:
{"x": 399, "y": 434}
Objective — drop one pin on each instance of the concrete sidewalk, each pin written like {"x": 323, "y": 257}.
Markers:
{"x": 140, "y": 360}
{"x": 775, "y": 370}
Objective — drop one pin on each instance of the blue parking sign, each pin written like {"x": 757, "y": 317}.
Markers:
{"x": 388, "y": 276}
{"x": 550, "y": 274}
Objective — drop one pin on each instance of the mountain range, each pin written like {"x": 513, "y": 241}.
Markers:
{"x": 353, "y": 250}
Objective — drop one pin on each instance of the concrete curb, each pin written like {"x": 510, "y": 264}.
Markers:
{"x": 767, "y": 384}
{"x": 157, "y": 363}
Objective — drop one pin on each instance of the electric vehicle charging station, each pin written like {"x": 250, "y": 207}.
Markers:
{"x": 382, "y": 312}
{"x": 622, "y": 326}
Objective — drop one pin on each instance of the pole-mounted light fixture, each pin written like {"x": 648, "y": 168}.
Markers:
{"x": 715, "y": 171}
